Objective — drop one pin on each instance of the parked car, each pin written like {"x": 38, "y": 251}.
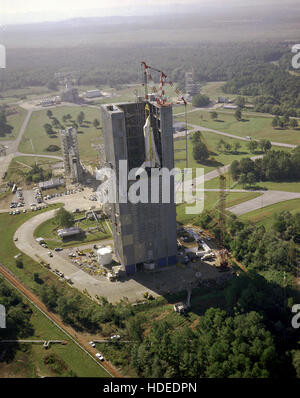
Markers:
{"x": 92, "y": 344}
{"x": 115, "y": 337}
{"x": 99, "y": 356}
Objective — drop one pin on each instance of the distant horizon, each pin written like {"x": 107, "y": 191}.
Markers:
{"x": 29, "y": 14}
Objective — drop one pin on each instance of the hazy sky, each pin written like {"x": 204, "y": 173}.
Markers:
{"x": 45, "y": 10}
{"x": 18, "y": 11}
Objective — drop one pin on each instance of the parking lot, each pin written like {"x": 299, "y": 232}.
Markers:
{"x": 35, "y": 199}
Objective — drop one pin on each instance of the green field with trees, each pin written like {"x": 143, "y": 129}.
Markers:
{"x": 43, "y": 131}
{"x": 254, "y": 126}
{"x": 65, "y": 219}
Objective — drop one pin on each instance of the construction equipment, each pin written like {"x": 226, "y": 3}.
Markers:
{"x": 181, "y": 307}
{"x": 161, "y": 97}
{"x": 222, "y": 254}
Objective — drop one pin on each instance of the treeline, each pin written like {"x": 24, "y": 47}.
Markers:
{"x": 275, "y": 89}
{"x": 18, "y": 320}
{"x": 274, "y": 166}
{"x": 254, "y": 246}
{"x": 5, "y": 128}
{"x": 81, "y": 313}
{"x": 249, "y": 337}
{"x": 121, "y": 65}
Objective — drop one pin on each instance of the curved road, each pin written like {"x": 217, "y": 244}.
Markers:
{"x": 27, "y": 244}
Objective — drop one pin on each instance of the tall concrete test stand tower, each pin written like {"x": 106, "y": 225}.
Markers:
{"x": 142, "y": 232}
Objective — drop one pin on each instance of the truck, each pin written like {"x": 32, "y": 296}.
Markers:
{"x": 208, "y": 256}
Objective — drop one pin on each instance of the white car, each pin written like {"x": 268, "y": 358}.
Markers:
{"x": 92, "y": 344}
{"x": 99, "y": 356}
{"x": 115, "y": 336}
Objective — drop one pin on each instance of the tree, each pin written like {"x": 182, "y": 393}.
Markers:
{"x": 240, "y": 101}
{"x": 265, "y": 145}
{"x": 252, "y": 146}
{"x": 251, "y": 179}
{"x": 80, "y": 118}
{"x": 238, "y": 115}
{"x": 4, "y": 127}
{"x": 293, "y": 123}
{"x": 237, "y": 146}
{"x": 275, "y": 122}
{"x": 228, "y": 147}
{"x": 235, "y": 169}
{"x": 55, "y": 123}
{"x": 200, "y": 152}
{"x": 64, "y": 218}
{"x": 200, "y": 100}
{"x": 52, "y": 148}
{"x": 243, "y": 180}
{"x": 220, "y": 145}
{"x": 48, "y": 128}
{"x": 214, "y": 115}
{"x": 49, "y": 114}
{"x": 96, "y": 123}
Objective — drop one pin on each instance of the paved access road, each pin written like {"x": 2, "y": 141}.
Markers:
{"x": 82, "y": 280}
{"x": 267, "y": 198}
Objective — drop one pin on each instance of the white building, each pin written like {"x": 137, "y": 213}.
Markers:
{"x": 93, "y": 94}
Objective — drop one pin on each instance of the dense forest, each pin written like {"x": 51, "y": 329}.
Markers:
{"x": 120, "y": 65}
{"x": 18, "y": 320}
{"x": 258, "y": 70}
{"x": 274, "y": 166}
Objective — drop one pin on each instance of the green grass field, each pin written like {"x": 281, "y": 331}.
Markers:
{"x": 211, "y": 200}
{"x": 214, "y": 90}
{"x": 28, "y": 93}
{"x": 29, "y": 360}
{"x": 254, "y": 126}
{"x": 35, "y": 139}
{"x": 265, "y": 216}
{"x": 272, "y": 186}
{"x": 22, "y": 164}
{"x": 48, "y": 230}
{"x": 76, "y": 360}
{"x": 15, "y": 121}
{"x": 211, "y": 140}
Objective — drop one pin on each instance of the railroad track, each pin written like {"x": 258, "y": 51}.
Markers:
{"x": 34, "y": 300}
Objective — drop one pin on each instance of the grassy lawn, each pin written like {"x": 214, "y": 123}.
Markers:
{"x": 15, "y": 121}
{"x": 29, "y": 360}
{"x": 48, "y": 230}
{"x": 71, "y": 354}
{"x": 265, "y": 216}
{"x": 270, "y": 185}
{"x": 211, "y": 140}
{"x": 253, "y": 126}
{"x": 214, "y": 90}
{"x": 13, "y": 95}
{"x": 22, "y": 164}
{"x": 211, "y": 200}
{"x": 8, "y": 226}
{"x": 277, "y": 186}
{"x": 35, "y": 139}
